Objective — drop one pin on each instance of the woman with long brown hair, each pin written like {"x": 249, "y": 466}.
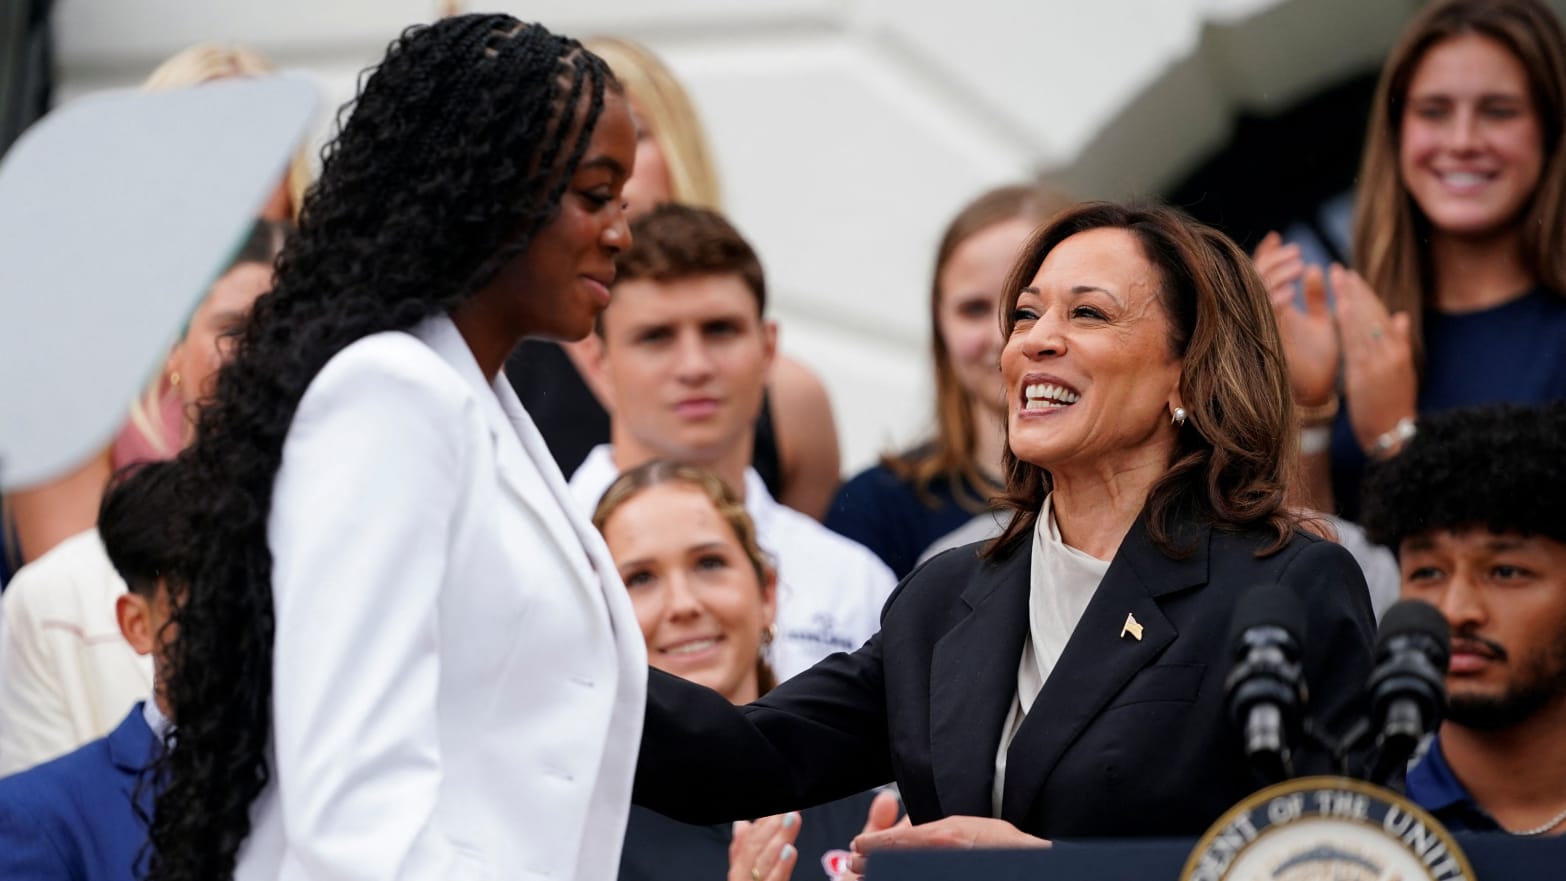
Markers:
{"x": 1460, "y": 294}
{"x": 911, "y": 500}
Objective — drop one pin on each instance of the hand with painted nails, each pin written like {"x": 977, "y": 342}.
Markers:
{"x": 764, "y": 850}
{"x": 950, "y": 832}
{"x": 1379, "y": 382}
{"x": 881, "y": 817}
{"x": 1310, "y": 339}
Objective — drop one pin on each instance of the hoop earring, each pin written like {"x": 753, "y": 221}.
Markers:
{"x": 1178, "y": 419}
{"x": 769, "y": 634}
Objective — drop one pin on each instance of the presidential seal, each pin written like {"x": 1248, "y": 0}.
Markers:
{"x": 1326, "y": 829}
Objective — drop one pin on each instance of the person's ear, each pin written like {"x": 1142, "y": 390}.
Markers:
{"x": 171, "y": 364}
{"x": 135, "y": 619}
{"x": 769, "y": 597}
{"x": 769, "y": 345}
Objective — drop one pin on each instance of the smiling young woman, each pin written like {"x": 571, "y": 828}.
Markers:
{"x": 1460, "y": 294}
{"x": 402, "y": 651}
{"x": 705, "y": 595}
{"x": 920, "y": 500}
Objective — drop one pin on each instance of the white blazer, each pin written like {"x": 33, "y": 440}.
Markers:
{"x": 458, "y": 675}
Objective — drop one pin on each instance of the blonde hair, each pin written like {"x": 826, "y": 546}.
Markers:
{"x": 192, "y": 66}
{"x": 1390, "y": 232}
{"x": 660, "y": 472}
{"x": 667, "y": 111}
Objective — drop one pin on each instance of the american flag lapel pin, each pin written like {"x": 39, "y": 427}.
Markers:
{"x": 1132, "y": 627}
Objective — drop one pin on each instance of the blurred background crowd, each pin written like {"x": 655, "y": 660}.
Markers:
{"x": 871, "y": 170}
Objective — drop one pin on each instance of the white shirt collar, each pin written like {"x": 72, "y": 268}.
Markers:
{"x": 154, "y": 717}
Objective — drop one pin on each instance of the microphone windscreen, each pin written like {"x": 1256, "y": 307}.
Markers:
{"x": 1268, "y": 605}
{"x": 1408, "y": 617}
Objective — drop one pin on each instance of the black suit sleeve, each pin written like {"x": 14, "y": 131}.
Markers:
{"x": 817, "y": 737}
{"x": 1339, "y": 640}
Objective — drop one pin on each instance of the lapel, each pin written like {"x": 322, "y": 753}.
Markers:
{"x": 528, "y": 470}
{"x": 1098, "y": 661}
{"x": 973, "y": 680}
{"x": 521, "y": 456}
{"x": 131, "y": 744}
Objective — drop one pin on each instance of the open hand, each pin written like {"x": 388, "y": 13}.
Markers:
{"x": 764, "y": 850}
{"x": 1310, "y": 338}
{"x": 1378, "y": 359}
{"x": 951, "y": 832}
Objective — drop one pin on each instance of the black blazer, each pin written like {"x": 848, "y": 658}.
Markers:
{"x": 1128, "y": 737}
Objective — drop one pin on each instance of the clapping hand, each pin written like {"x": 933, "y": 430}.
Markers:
{"x": 1378, "y": 359}
{"x": 1310, "y": 338}
{"x": 764, "y": 850}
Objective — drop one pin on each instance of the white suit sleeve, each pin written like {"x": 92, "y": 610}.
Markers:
{"x": 361, "y": 520}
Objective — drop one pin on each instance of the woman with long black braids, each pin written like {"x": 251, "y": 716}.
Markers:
{"x": 398, "y": 657}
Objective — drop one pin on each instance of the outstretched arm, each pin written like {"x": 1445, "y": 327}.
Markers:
{"x": 817, "y": 737}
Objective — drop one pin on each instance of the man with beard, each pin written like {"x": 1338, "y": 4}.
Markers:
{"x": 1475, "y": 506}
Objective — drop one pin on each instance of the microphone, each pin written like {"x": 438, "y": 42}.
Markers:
{"x": 1265, "y": 690}
{"x": 1408, "y": 684}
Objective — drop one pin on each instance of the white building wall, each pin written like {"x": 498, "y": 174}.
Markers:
{"x": 848, "y": 131}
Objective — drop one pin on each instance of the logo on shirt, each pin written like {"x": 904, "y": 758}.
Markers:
{"x": 822, "y": 631}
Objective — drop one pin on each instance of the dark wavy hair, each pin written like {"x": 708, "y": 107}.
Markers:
{"x": 1238, "y": 447}
{"x": 457, "y": 151}
{"x": 1497, "y": 468}
{"x": 137, "y": 521}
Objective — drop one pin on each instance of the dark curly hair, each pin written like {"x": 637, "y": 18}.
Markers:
{"x": 136, "y": 522}
{"x": 1501, "y": 467}
{"x": 456, "y": 153}
{"x": 1234, "y": 455}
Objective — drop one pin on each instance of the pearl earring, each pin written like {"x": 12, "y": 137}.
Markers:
{"x": 1179, "y": 417}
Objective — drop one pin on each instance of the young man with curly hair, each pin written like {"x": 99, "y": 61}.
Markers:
{"x": 1474, "y": 507}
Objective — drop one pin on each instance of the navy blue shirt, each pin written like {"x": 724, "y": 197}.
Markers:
{"x": 1513, "y": 353}
{"x": 1432, "y": 785}
{"x": 886, "y": 514}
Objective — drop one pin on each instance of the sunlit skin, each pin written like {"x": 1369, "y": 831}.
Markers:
{"x": 1092, "y": 325}
{"x": 700, "y": 603}
{"x": 686, "y": 363}
{"x": 1472, "y": 146}
{"x": 555, "y": 289}
{"x": 1504, "y": 595}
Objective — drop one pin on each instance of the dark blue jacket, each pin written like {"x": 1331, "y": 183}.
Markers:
{"x": 72, "y": 818}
